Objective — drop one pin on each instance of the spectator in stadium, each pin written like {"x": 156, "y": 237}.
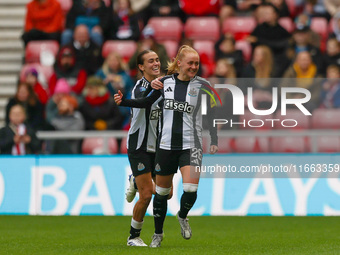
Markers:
{"x": 224, "y": 74}
{"x": 332, "y": 6}
{"x": 44, "y": 21}
{"x": 336, "y": 28}
{"x": 304, "y": 71}
{"x": 301, "y": 42}
{"x": 165, "y": 8}
{"x": 115, "y": 76}
{"x": 99, "y": 109}
{"x": 61, "y": 90}
{"x": 18, "y": 138}
{"x": 88, "y": 53}
{"x": 272, "y": 34}
{"x": 260, "y": 70}
{"x": 124, "y": 22}
{"x": 248, "y": 5}
{"x": 330, "y": 91}
{"x": 225, "y": 49}
{"x": 31, "y": 78}
{"x": 304, "y": 21}
{"x": 316, "y": 8}
{"x": 141, "y": 8}
{"x": 228, "y": 8}
{"x": 94, "y": 15}
{"x": 26, "y": 96}
{"x": 148, "y": 42}
{"x": 66, "y": 67}
{"x": 332, "y": 55}
{"x": 67, "y": 119}
{"x": 281, "y": 6}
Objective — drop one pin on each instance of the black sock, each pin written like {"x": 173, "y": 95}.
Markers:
{"x": 187, "y": 202}
{"x": 160, "y": 206}
{"x": 134, "y": 232}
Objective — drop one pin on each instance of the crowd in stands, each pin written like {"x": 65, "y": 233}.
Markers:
{"x": 279, "y": 41}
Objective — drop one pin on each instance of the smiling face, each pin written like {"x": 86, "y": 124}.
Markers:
{"x": 151, "y": 67}
{"x": 188, "y": 66}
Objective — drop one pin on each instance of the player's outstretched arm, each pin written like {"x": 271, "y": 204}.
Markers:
{"x": 142, "y": 102}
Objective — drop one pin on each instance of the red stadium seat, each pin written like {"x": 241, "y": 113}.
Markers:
{"x": 293, "y": 144}
{"x": 206, "y": 47}
{"x": 287, "y": 24}
{"x": 202, "y": 28}
{"x": 123, "y": 148}
{"x": 225, "y": 145}
{"x": 240, "y": 27}
{"x": 246, "y": 49}
{"x": 125, "y": 48}
{"x": 95, "y": 145}
{"x": 258, "y": 121}
{"x": 35, "y": 48}
{"x": 251, "y": 144}
{"x": 328, "y": 144}
{"x": 171, "y": 48}
{"x": 45, "y": 72}
{"x": 303, "y": 121}
{"x": 167, "y": 28}
{"x": 65, "y": 5}
{"x": 326, "y": 119}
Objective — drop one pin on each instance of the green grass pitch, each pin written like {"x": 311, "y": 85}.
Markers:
{"x": 211, "y": 235}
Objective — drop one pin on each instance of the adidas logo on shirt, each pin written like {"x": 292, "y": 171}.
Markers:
{"x": 169, "y": 89}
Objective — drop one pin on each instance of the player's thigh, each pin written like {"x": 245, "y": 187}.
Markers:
{"x": 188, "y": 163}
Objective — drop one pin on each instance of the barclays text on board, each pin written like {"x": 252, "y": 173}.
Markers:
{"x": 95, "y": 185}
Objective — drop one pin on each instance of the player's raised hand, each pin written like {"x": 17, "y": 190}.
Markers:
{"x": 213, "y": 149}
{"x": 157, "y": 84}
{"x": 118, "y": 97}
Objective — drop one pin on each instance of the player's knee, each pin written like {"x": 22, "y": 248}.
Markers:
{"x": 190, "y": 187}
{"x": 145, "y": 196}
{"x": 163, "y": 191}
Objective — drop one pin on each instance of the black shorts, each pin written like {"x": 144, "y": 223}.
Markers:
{"x": 141, "y": 162}
{"x": 168, "y": 161}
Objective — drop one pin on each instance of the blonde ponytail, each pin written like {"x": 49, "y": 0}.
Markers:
{"x": 173, "y": 66}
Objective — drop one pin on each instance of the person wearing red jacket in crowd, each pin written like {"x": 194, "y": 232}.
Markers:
{"x": 31, "y": 78}
{"x": 67, "y": 68}
{"x": 200, "y": 7}
{"x": 44, "y": 21}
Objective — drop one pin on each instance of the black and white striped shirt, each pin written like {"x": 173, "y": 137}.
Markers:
{"x": 181, "y": 119}
{"x": 143, "y": 128}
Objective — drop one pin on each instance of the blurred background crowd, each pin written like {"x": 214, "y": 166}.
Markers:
{"x": 79, "y": 53}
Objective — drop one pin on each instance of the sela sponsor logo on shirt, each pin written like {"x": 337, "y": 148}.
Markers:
{"x": 170, "y": 104}
{"x": 155, "y": 114}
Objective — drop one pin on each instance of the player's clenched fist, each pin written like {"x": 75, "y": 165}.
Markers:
{"x": 157, "y": 84}
{"x": 118, "y": 97}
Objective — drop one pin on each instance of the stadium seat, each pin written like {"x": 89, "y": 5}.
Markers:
{"x": 206, "y": 47}
{"x": 328, "y": 144}
{"x": 171, "y": 48}
{"x": 125, "y": 48}
{"x": 255, "y": 121}
{"x": 45, "y": 72}
{"x": 65, "y": 5}
{"x": 287, "y": 23}
{"x": 95, "y": 145}
{"x": 303, "y": 121}
{"x": 225, "y": 145}
{"x": 251, "y": 144}
{"x": 240, "y": 27}
{"x": 326, "y": 119}
{"x": 292, "y": 144}
{"x": 202, "y": 28}
{"x": 245, "y": 47}
{"x": 167, "y": 28}
{"x": 123, "y": 149}
{"x": 34, "y": 49}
